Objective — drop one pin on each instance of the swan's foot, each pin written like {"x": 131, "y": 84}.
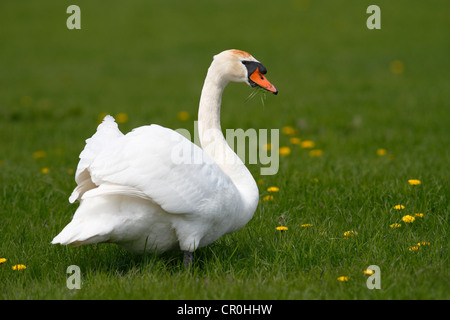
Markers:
{"x": 188, "y": 258}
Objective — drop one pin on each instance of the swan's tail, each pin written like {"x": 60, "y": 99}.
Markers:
{"x": 76, "y": 234}
{"x": 91, "y": 224}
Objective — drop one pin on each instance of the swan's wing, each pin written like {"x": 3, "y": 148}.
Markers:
{"x": 160, "y": 165}
{"x": 105, "y": 138}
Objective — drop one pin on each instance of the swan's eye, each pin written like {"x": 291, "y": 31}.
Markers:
{"x": 252, "y": 66}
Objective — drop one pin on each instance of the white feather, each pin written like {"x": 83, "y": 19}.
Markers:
{"x": 152, "y": 189}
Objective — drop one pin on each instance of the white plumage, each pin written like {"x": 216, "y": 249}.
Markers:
{"x": 154, "y": 190}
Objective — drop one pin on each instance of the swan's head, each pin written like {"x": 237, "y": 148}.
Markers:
{"x": 240, "y": 66}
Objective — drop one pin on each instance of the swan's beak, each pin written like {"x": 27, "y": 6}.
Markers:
{"x": 258, "y": 78}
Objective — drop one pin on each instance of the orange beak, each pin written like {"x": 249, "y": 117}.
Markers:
{"x": 258, "y": 78}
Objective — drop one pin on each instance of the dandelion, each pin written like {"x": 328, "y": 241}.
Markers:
{"x": 307, "y": 144}
{"x": 397, "y": 67}
{"x": 343, "y": 278}
{"x": 414, "y": 182}
{"x": 315, "y": 153}
{"x": 301, "y": 5}
{"x": 368, "y": 272}
{"x": 45, "y": 170}
{"x": 423, "y": 243}
{"x": 268, "y": 198}
{"x": 26, "y": 101}
{"x": 19, "y": 267}
{"x": 39, "y": 154}
{"x": 268, "y": 147}
{"x": 399, "y": 207}
{"x": 408, "y": 219}
{"x": 3, "y": 260}
{"x": 381, "y": 152}
{"x": 395, "y": 225}
{"x": 273, "y": 189}
{"x": 418, "y": 215}
{"x": 414, "y": 248}
{"x": 294, "y": 140}
{"x": 285, "y": 151}
{"x": 282, "y": 228}
{"x": 350, "y": 233}
{"x": 306, "y": 225}
{"x": 288, "y": 130}
{"x": 101, "y": 116}
{"x": 121, "y": 117}
{"x": 183, "y": 115}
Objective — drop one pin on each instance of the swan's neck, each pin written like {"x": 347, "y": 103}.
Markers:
{"x": 213, "y": 141}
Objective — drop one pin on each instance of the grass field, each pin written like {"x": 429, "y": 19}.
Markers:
{"x": 350, "y": 90}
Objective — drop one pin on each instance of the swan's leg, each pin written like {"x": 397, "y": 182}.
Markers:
{"x": 188, "y": 258}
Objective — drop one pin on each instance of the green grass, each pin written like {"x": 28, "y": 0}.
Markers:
{"x": 149, "y": 60}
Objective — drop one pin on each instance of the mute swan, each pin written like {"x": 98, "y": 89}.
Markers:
{"x": 134, "y": 191}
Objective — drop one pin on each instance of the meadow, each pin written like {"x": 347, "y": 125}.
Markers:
{"x": 360, "y": 113}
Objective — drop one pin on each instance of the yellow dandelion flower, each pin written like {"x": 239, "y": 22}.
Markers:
{"x": 273, "y": 189}
{"x": 408, "y": 219}
{"x": 39, "y": 154}
{"x": 268, "y": 198}
{"x": 19, "y": 267}
{"x": 368, "y": 272}
{"x": 285, "y": 151}
{"x": 315, "y": 153}
{"x": 3, "y": 260}
{"x": 397, "y": 67}
{"x": 414, "y": 248}
{"x": 423, "y": 243}
{"x": 381, "y": 152}
{"x": 350, "y": 233}
{"x": 45, "y": 170}
{"x": 343, "y": 278}
{"x": 183, "y": 115}
{"x": 306, "y": 225}
{"x": 307, "y": 144}
{"x": 288, "y": 130}
{"x": 294, "y": 140}
{"x": 414, "y": 182}
{"x": 399, "y": 207}
{"x": 282, "y": 228}
{"x": 121, "y": 117}
{"x": 395, "y": 225}
{"x": 418, "y": 215}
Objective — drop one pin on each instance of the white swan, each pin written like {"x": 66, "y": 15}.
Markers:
{"x": 134, "y": 190}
